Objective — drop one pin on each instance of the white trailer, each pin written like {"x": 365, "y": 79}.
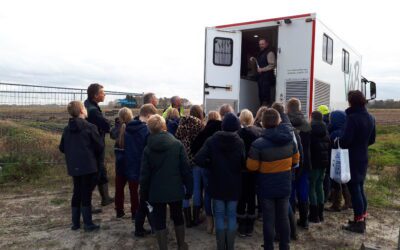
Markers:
{"x": 313, "y": 64}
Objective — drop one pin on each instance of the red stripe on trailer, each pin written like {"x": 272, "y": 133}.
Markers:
{"x": 262, "y": 21}
{"x": 312, "y": 68}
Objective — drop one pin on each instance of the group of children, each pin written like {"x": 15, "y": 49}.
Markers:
{"x": 227, "y": 166}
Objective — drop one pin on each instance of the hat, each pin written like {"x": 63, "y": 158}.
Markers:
{"x": 323, "y": 109}
{"x": 230, "y": 123}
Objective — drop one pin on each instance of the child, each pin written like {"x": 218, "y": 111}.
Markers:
{"x": 188, "y": 129}
{"x": 246, "y": 211}
{"x": 125, "y": 116}
{"x": 165, "y": 169}
{"x": 172, "y": 120}
{"x": 273, "y": 156}
{"x": 224, "y": 155}
{"x": 135, "y": 135}
{"x": 82, "y": 146}
{"x": 213, "y": 125}
{"x": 320, "y": 148}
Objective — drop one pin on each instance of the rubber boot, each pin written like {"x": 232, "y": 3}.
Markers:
{"x": 230, "y": 239}
{"x": 89, "y": 226}
{"x": 180, "y": 237}
{"x": 188, "y": 217}
{"x": 210, "y": 224}
{"x": 105, "y": 196}
{"x": 292, "y": 223}
{"x": 356, "y": 227}
{"x": 76, "y": 217}
{"x": 249, "y": 226}
{"x": 321, "y": 212}
{"x": 221, "y": 239}
{"x": 336, "y": 201}
{"x": 313, "y": 217}
{"x": 162, "y": 239}
{"x": 241, "y": 226}
{"x": 196, "y": 216}
{"x": 347, "y": 197}
{"x": 303, "y": 215}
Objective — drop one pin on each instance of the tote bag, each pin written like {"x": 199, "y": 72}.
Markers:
{"x": 340, "y": 165}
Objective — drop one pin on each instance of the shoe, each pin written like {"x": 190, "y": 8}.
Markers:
{"x": 142, "y": 233}
{"x": 162, "y": 239}
{"x": 241, "y": 229}
{"x": 321, "y": 212}
{"x": 188, "y": 217}
{"x": 303, "y": 215}
{"x": 105, "y": 196}
{"x": 180, "y": 237}
{"x": 313, "y": 217}
{"x": 89, "y": 226}
{"x": 356, "y": 227}
{"x": 230, "y": 240}
{"x": 249, "y": 226}
{"x": 120, "y": 214}
{"x": 221, "y": 239}
{"x": 76, "y": 217}
{"x": 210, "y": 224}
{"x": 336, "y": 201}
{"x": 96, "y": 210}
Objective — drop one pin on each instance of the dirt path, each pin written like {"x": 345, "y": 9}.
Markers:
{"x": 41, "y": 220}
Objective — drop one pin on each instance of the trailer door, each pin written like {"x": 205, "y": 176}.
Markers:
{"x": 222, "y": 68}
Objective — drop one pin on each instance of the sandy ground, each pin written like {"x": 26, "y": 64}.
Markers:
{"x": 39, "y": 219}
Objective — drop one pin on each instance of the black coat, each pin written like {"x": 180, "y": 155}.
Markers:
{"x": 224, "y": 155}
{"x": 82, "y": 145}
{"x": 95, "y": 116}
{"x": 304, "y": 130}
{"x": 209, "y": 130}
{"x": 320, "y": 145}
{"x": 359, "y": 133}
{"x": 249, "y": 135}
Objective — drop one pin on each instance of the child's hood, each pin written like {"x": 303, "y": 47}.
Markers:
{"x": 161, "y": 142}
{"x": 75, "y": 125}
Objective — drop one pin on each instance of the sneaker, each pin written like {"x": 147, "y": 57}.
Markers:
{"x": 142, "y": 233}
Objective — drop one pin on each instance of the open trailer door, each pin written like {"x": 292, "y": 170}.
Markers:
{"x": 222, "y": 68}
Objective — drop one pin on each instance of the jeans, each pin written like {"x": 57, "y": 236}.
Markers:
{"x": 302, "y": 186}
{"x": 222, "y": 210}
{"x": 120, "y": 182}
{"x": 275, "y": 212}
{"x": 247, "y": 201}
{"x": 200, "y": 175}
{"x": 316, "y": 186}
{"x": 358, "y": 198}
{"x": 83, "y": 188}
{"x": 160, "y": 214}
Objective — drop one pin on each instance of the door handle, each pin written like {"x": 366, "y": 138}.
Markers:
{"x": 206, "y": 85}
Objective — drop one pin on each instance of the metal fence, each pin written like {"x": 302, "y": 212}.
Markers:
{"x": 32, "y": 118}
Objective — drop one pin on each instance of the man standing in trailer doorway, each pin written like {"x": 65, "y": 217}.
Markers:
{"x": 266, "y": 63}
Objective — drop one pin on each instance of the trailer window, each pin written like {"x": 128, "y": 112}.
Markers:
{"x": 345, "y": 61}
{"x": 327, "y": 49}
{"x": 223, "y": 50}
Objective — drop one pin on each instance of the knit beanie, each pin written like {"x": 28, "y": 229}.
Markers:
{"x": 230, "y": 123}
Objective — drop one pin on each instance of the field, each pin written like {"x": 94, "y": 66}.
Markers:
{"x": 35, "y": 194}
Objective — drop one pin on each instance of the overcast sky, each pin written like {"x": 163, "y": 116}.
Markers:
{"x": 158, "y": 46}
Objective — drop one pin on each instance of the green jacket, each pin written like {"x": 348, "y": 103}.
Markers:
{"x": 165, "y": 170}
{"x": 181, "y": 111}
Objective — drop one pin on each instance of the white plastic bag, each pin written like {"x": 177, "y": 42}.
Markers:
{"x": 340, "y": 165}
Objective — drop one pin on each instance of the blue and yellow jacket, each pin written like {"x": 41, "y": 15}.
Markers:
{"x": 273, "y": 156}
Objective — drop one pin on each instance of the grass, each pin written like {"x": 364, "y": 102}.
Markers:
{"x": 386, "y": 150}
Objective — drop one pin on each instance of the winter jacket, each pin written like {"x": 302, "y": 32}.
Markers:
{"x": 82, "y": 145}
{"x": 336, "y": 125}
{"x": 304, "y": 129}
{"x": 136, "y": 134}
{"x": 286, "y": 122}
{"x": 95, "y": 116}
{"x": 188, "y": 129}
{"x": 165, "y": 170}
{"x": 320, "y": 145}
{"x": 249, "y": 135}
{"x": 172, "y": 125}
{"x": 209, "y": 130}
{"x": 223, "y": 155}
{"x": 272, "y": 156}
{"x": 359, "y": 132}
